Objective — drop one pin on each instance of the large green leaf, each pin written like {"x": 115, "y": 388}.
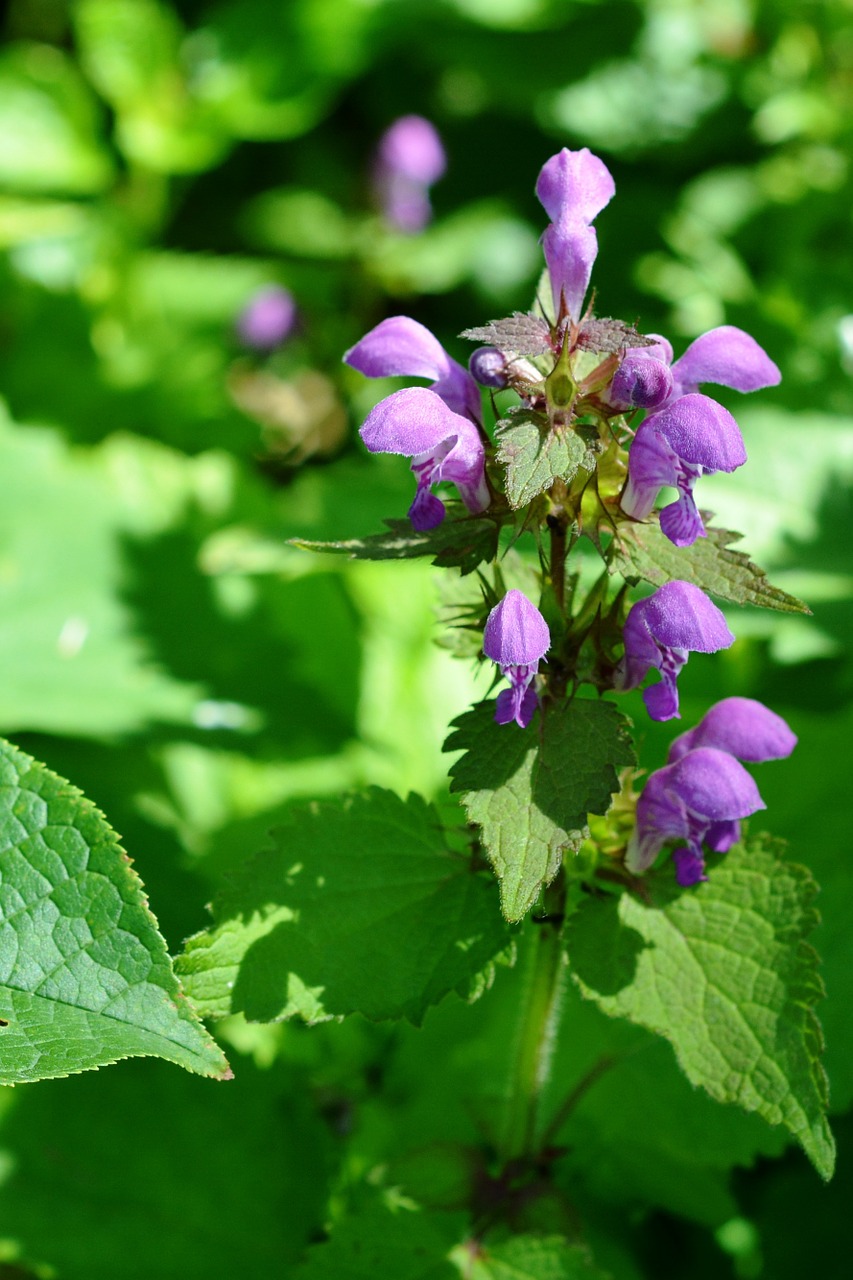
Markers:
{"x": 530, "y": 790}
{"x": 359, "y": 907}
{"x": 527, "y": 1258}
{"x": 643, "y": 551}
{"x": 535, "y": 456}
{"x": 385, "y": 1240}
{"x": 85, "y": 978}
{"x": 723, "y": 972}
{"x": 464, "y": 543}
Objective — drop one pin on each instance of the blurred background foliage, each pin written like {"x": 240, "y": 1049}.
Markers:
{"x": 159, "y": 164}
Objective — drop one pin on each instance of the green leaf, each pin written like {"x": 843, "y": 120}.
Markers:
{"x": 724, "y": 973}
{"x": 527, "y": 1258}
{"x": 385, "y": 1240}
{"x": 462, "y": 543}
{"x": 535, "y": 456}
{"x": 86, "y": 978}
{"x": 530, "y": 790}
{"x": 643, "y": 551}
{"x": 359, "y": 907}
{"x": 146, "y": 1171}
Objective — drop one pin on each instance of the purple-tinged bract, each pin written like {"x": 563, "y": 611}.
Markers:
{"x": 660, "y": 632}
{"x": 417, "y": 424}
{"x": 573, "y": 187}
{"x": 516, "y": 637}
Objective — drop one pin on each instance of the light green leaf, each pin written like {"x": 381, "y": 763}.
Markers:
{"x": 530, "y": 790}
{"x": 643, "y": 551}
{"x": 527, "y": 1258}
{"x": 535, "y": 456}
{"x": 85, "y": 978}
{"x": 359, "y": 907}
{"x": 724, "y": 973}
{"x": 464, "y": 543}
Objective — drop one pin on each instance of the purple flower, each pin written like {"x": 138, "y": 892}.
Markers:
{"x": 685, "y": 801}
{"x": 268, "y": 318}
{"x": 399, "y": 346}
{"x": 660, "y": 632}
{"x": 727, "y": 356}
{"x": 643, "y": 380}
{"x": 573, "y": 187}
{"x": 516, "y": 637}
{"x": 690, "y": 437}
{"x": 745, "y": 729}
{"x": 409, "y": 159}
{"x": 443, "y": 445}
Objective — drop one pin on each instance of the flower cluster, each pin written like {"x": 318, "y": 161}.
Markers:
{"x": 593, "y": 378}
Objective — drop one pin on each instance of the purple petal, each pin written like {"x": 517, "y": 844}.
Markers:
{"x": 399, "y": 347}
{"x": 488, "y": 367}
{"x": 689, "y": 867}
{"x": 411, "y": 148}
{"x": 518, "y": 704}
{"x": 713, "y": 785}
{"x": 573, "y": 186}
{"x": 701, "y": 432}
{"x": 662, "y": 700}
{"x": 651, "y": 464}
{"x": 641, "y": 380}
{"x": 411, "y": 422}
{"x": 681, "y": 521}
{"x": 516, "y": 634}
{"x": 743, "y": 727}
{"x": 680, "y": 616}
{"x": 727, "y": 356}
{"x": 720, "y": 836}
{"x": 427, "y": 511}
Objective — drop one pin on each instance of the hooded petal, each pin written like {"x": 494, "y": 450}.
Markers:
{"x": 401, "y": 347}
{"x": 680, "y": 616}
{"x": 516, "y": 634}
{"x": 652, "y": 463}
{"x": 727, "y": 356}
{"x": 573, "y": 187}
{"x": 743, "y": 727}
{"x": 701, "y": 432}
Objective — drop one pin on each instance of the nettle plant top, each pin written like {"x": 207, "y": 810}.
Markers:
{"x": 602, "y": 418}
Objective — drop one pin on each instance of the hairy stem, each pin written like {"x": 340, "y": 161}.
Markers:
{"x": 542, "y": 999}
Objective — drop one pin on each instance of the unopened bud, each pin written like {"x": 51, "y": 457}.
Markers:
{"x": 488, "y": 367}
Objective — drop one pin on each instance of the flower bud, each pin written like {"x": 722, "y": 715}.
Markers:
{"x": 488, "y": 366}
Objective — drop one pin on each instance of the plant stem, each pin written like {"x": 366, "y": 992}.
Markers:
{"x": 538, "y": 1024}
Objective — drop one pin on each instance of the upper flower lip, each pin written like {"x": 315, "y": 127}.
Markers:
{"x": 573, "y": 187}
{"x": 742, "y": 726}
{"x": 417, "y": 421}
{"x": 401, "y": 347}
{"x": 701, "y": 432}
{"x": 516, "y": 634}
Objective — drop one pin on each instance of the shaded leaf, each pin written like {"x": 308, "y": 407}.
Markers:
{"x": 402, "y": 1242}
{"x": 530, "y": 790}
{"x": 724, "y": 973}
{"x": 359, "y": 907}
{"x": 462, "y": 543}
{"x": 527, "y": 1257}
{"x": 85, "y": 978}
{"x": 535, "y": 455}
{"x": 519, "y": 334}
{"x": 643, "y": 551}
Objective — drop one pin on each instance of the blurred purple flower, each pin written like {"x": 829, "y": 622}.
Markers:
{"x": 401, "y": 347}
{"x": 690, "y": 437}
{"x": 409, "y": 159}
{"x": 573, "y": 187}
{"x": 660, "y": 632}
{"x": 516, "y": 637}
{"x": 418, "y": 424}
{"x": 684, "y": 801}
{"x": 268, "y": 318}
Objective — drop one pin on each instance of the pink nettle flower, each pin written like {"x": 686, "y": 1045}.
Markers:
{"x": 268, "y": 318}
{"x": 573, "y": 187}
{"x": 401, "y": 347}
{"x": 516, "y": 637}
{"x": 417, "y": 424}
{"x": 660, "y": 633}
{"x": 690, "y": 437}
{"x": 409, "y": 159}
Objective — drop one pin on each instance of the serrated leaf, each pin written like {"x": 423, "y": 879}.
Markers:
{"x": 535, "y": 455}
{"x": 462, "y": 543}
{"x": 609, "y": 336}
{"x": 85, "y": 978}
{"x": 359, "y": 907}
{"x": 530, "y": 790}
{"x": 519, "y": 334}
{"x": 527, "y": 1257}
{"x": 643, "y": 551}
{"x": 724, "y": 973}
{"x": 402, "y": 1243}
